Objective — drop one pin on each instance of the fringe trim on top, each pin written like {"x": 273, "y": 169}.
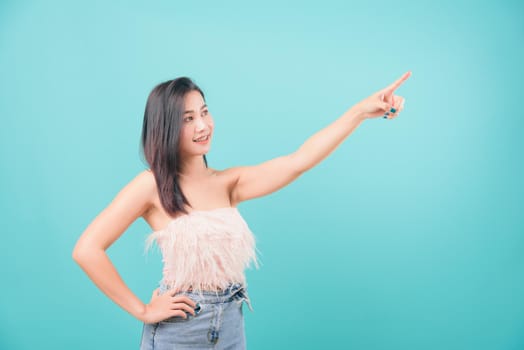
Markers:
{"x": 205, "y": 250}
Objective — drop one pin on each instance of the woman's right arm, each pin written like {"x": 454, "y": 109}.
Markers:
{"x": 90, "y": 253}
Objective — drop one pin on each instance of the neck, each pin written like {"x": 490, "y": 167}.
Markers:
{"x": 193, "y": 167}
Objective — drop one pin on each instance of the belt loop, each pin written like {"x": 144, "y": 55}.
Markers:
{"x": 242, "y": 293}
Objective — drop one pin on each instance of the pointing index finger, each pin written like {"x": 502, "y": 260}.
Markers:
{"x": 397, "y": 83}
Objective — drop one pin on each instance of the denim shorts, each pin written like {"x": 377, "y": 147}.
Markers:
{"x": 218, "y": 324}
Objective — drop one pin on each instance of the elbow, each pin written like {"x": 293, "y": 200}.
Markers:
{"x": 81, "y": 253}
{"x": 77, "y": 254}
{"x": 300, "y": 163}
{"x": 84, "y": 252}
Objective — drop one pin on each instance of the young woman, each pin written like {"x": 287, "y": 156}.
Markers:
{"x": 191, "y": 208}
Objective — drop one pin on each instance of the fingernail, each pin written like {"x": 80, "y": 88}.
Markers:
{"x": 197, "y": 308}
{"x": 393, "y": 110}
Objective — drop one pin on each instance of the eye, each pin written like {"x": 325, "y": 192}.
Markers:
{"x": 188, "y": 119}
{"x": 205, "y": 112}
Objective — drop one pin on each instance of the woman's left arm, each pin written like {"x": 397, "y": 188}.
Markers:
{"x": 259, "y": 180}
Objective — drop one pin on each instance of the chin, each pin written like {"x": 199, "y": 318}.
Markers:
{"x": 201, "y": 151}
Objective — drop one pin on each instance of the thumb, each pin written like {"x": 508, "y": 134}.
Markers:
{"x": 386, "y": 97}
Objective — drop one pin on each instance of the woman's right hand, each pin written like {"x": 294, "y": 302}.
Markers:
{"x": 164, "y": 306}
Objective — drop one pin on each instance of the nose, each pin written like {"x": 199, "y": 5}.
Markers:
{"x": 200, "y": 125}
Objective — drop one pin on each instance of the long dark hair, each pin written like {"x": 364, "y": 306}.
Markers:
{"x": 160, "y": 139}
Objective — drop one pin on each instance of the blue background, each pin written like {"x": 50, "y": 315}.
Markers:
{"x": 409, "y": 236}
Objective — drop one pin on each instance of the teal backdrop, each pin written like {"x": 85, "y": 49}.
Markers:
{"x": 409, "y": 236}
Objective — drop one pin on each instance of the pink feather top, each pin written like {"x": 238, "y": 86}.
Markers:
{"x": 205, "y": 249}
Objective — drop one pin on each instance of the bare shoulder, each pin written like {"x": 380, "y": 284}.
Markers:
{"x": 228, "y": 179}
{"x": 146, "y": 177}
{"x": 137, "y": 196}
{"x": 229, "y": 176}
{"x": 131, "y": 202}
{"x": 144, "y": 186}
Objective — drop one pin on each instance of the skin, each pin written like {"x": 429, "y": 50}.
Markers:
{"x": 207, "y": 189}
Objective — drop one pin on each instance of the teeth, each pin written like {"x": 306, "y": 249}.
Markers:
{"x": 203, "y": 138}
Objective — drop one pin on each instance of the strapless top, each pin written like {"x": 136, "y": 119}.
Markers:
{"x": 205, "y": 249}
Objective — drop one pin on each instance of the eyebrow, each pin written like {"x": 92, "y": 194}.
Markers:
{"x": 191, "y": 111}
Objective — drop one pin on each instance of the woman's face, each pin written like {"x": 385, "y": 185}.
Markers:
{"x": 197, "y": 126}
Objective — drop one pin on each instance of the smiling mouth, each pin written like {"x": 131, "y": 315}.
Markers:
{"x": 202, "y": 139}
